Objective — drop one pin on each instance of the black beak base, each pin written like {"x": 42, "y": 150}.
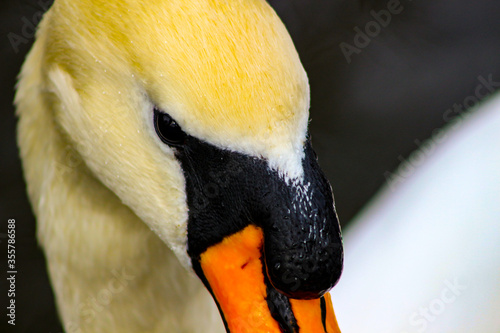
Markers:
{"x": 227, "y": 191}
{"x": 303, "y": 244}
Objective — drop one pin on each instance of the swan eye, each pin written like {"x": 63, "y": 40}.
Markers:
{"x": 167, "y": 129}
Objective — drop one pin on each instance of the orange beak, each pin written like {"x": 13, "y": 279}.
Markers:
{"x": 234, "y": 270}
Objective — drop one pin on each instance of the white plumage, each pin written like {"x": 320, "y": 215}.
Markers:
{"x": 424, "y": 256}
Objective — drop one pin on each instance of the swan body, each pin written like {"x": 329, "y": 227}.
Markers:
{"x": 111, "y": 199}
{"x": 430, "y": 241}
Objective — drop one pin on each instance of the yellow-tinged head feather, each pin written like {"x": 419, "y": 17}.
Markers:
{"x": 227, "y": 71}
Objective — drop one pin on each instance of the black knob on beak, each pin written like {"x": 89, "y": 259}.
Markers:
{"x": 303, "y": 245}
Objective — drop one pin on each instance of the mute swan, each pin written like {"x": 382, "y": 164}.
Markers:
{"x": 162, "y": 137}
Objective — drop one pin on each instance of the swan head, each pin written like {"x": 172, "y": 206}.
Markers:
{"x": 195, "y": 114}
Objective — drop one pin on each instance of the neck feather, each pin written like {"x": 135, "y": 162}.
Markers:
{"x": 109, "y": 271}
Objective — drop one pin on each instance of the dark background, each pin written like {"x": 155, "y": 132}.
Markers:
{"x": 367, "y": 115}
